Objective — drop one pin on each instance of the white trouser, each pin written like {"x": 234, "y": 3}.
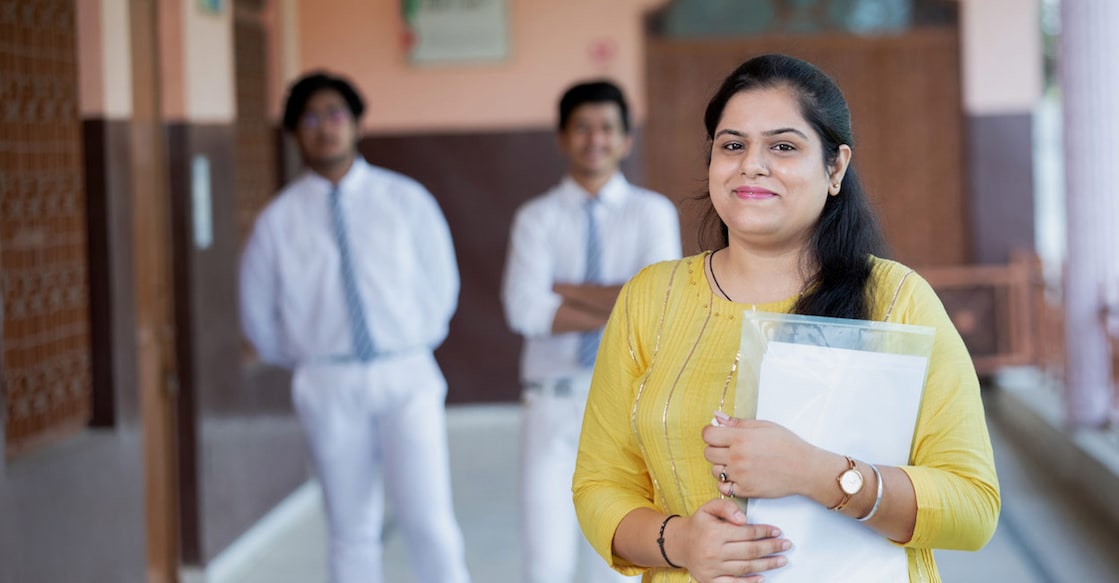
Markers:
{"x": 377, "y": 425}
{"x": 551, "y": 420}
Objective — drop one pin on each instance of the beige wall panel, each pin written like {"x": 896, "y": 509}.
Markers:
{"x": 116, "y": 51}
{"x": 207, "y": 63}
{"x": 104, "y": 59}
{"x": 1001, "y": 44}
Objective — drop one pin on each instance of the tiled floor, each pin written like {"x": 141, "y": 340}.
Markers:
{"x": 1069, "y": 547}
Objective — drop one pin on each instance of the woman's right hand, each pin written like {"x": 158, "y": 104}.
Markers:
{"x": 716, "y": 545}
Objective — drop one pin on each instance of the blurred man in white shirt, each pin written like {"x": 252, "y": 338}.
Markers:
{"x": 349, "y": 279}
{"x": 570, "y": 251}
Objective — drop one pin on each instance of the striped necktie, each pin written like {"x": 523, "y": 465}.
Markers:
{"x": 588, "y": 341}
{"x": 363, "y": 343}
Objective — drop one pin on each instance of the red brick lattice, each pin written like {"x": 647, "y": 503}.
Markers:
{"x": 43, "y": 240}
{"x": 255, "y": 171}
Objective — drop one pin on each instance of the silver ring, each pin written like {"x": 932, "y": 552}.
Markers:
{"x": 723, "y": 476}
{"x": 731, "y": 494}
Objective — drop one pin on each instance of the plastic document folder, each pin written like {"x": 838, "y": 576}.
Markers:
{"x": 849, "y": 386}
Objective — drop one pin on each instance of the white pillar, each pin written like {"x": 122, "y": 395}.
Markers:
{"x": 1089, "y": 65}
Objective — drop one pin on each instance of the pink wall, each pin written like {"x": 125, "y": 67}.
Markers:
{"x": 550, "y": 46}
{"x": 91, "y": 82}
{"x": 172, "y": 84}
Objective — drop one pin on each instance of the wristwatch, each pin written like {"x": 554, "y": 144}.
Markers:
{"x": 850, "y": 483}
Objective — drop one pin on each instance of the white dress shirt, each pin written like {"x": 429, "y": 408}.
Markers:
{"x": 548, "y": 245}
{"x": 293, "y": 304}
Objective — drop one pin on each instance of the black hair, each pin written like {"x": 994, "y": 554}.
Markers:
{"x": 601, "y": 91}
{"x": 305, "y": 87}
{"x": 847, "y": 232}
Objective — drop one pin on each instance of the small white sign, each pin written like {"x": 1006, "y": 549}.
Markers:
{"x": 201, "y": 208}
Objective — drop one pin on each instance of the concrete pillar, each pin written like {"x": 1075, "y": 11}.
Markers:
{"x": 1090, "y": 82}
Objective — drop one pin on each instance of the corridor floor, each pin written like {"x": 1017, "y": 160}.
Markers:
{"x": 1043, "y": 536}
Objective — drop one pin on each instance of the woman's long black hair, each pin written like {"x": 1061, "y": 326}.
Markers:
{"x": 847, "y": 232}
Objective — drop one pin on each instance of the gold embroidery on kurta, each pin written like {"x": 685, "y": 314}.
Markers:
{"x": 645, "y": 378}
{"x": 668, "y": 404}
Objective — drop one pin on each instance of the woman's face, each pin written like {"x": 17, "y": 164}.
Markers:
{"x": 767, "y": 176}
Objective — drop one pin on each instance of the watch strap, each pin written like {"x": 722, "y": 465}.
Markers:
{"x": 838, "y": 480}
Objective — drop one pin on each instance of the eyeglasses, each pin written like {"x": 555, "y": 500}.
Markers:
{"x": 334, "y": 115}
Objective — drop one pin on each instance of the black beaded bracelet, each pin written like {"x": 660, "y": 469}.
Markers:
{"x": 660, "y": 542}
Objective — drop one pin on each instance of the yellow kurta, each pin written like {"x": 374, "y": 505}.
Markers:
{"x": 668, "y": 361}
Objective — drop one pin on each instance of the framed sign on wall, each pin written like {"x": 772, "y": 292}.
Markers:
{"x": 455, "y": 31}
{"x": 211, "y": 7}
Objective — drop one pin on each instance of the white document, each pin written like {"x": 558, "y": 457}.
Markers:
{"x": 859, "y": 403}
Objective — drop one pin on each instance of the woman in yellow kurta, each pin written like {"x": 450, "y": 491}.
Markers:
{"x": 654, "y": 477}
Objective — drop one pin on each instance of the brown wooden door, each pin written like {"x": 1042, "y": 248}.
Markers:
{"x": 155, "y": 332}
{"x": 904, "y": 94}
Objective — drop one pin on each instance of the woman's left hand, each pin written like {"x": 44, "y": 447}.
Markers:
{"x": 758, "y": 459}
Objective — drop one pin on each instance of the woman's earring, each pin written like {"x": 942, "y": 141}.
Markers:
{"x": 836, "y": 187}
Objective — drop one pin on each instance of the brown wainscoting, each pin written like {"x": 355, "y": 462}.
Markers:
{"x": 241, "y": 449}
{"x": 111, "y": 288}
{"x": 1000, "y": 164}
{"x": 247, "y": 466}
{"x": 184, "y": 142}
{"x": 479, "y": 180}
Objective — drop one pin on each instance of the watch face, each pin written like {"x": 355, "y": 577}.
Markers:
{"x": 851, "y": 482}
